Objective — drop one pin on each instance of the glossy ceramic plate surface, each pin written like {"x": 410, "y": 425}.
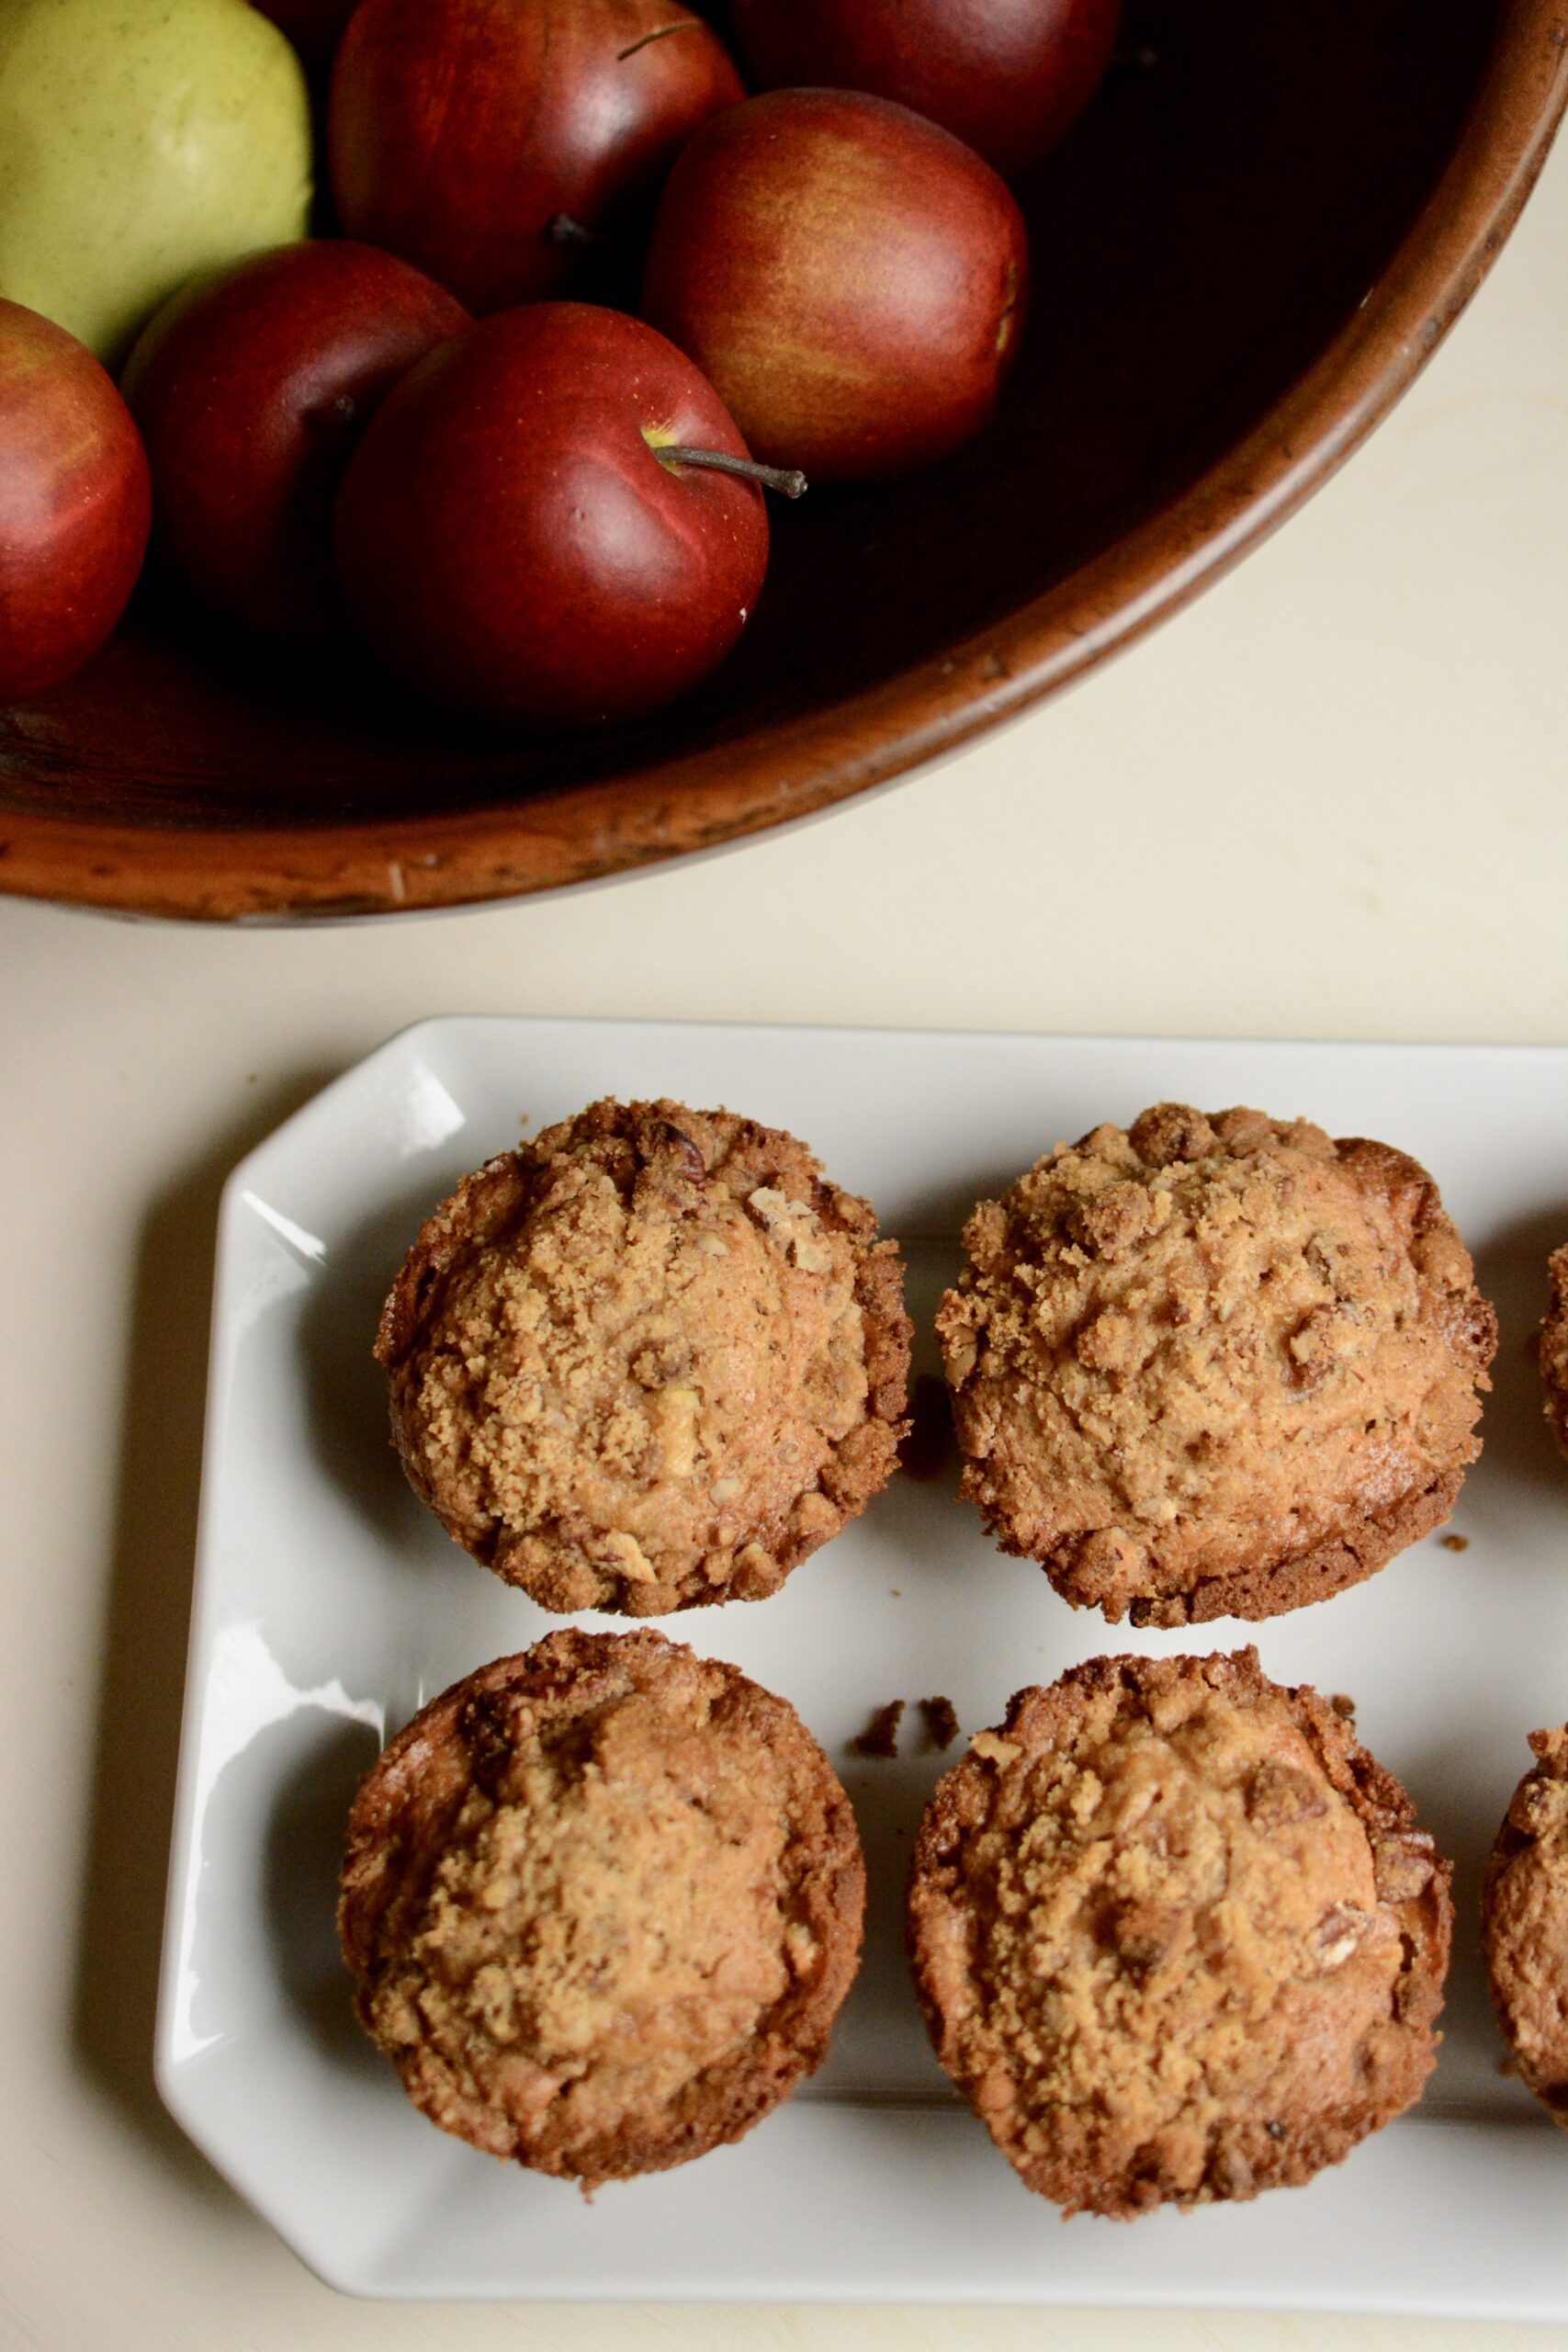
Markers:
{"x": 328, "y": 1606}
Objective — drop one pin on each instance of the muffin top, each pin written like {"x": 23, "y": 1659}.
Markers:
{"x": 1177, "y": 1936}
{"x": 647, "y": 1360}
{"x": 1214, "y": 1366}
{"x": 1525, "y": 1924}
{"x": 602, "y": 1903}
{"x": 1554, "y": 1346}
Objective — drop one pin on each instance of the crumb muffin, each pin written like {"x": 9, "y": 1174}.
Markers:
{"x": 647, "y": 1360}
{"x": 1216, "y": 1366}
{"x": 1177, "y": 1936}
{"x": 1554, "y": 1347}
{"x": 1524, "y": 1922}
{"x": 602, "y": 1903}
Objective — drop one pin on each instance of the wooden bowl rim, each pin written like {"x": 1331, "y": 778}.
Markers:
{"x": 799, "y": 766}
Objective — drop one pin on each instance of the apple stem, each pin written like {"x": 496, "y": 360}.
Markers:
{"x": 660, "y": 32}
{"x": 786, "y": 482}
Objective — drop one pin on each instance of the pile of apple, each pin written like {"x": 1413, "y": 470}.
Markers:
{"x": 536, "y": 509}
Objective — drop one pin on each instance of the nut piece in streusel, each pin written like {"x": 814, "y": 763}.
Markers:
{"x": 1178, "y": 1937}
{"x": 1214, "y": 1366}
{"x": 602, "y": 1904}
{"x": 651, "y": 1360}
{"x": 1524, "y": 1914}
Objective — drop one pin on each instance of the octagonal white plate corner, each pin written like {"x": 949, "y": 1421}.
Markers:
{"x": 329, "y": 1607}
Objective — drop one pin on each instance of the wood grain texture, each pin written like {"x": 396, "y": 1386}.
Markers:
{"x": 1242, "y": 257}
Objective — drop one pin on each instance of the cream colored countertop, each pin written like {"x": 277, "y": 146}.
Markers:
{"x": 1331, "y": 800}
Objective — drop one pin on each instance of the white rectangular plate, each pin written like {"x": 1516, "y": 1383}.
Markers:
{"x": 328, "y": 1606}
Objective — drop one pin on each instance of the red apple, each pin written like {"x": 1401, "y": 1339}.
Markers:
{"x": 1010, "y": 77}
{"x": 73, "y": 504}
{"x": 850, "y": 279}
{"x": 252, "y": 389}
{"x": 518, "y": 538}
{"x": 461, "y": 131}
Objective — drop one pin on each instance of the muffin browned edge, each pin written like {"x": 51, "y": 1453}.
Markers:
{"x": 497, "y": 1197}
{"x": 1323, "y": 1569}
{"x": 1513, "y": 1842}
{"x": 1044, "y": 1717}
{"x": 1370, "y": 1541}
{"x": 722, "y": 2104}
{"x": 1554, "y": 1346}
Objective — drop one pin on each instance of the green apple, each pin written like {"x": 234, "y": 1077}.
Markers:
{"x": 141, "y": 142}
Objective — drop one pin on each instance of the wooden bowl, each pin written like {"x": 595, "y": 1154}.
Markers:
{"x": 1244, "y": 253}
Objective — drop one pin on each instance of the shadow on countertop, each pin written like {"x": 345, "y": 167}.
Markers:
{"x": 144, "y": 1637}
